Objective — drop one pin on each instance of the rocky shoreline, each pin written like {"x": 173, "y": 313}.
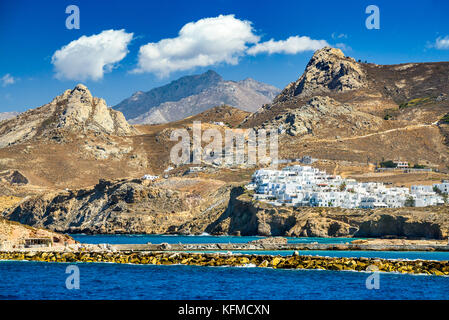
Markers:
{"x": 296, "y": 261}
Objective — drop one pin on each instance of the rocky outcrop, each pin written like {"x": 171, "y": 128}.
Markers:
{"x": 13, "y": 177}
{"x": 247, "y": 217}
{"x": 82, "y": 111}
{"x": 328, "y": 70}
{"x": 193, "y": 206}
{"x": 127, "y": 206}
{"x": 74, "y": 111}
{"x": 318, "y": 115}
{"x": 13, "y": 234}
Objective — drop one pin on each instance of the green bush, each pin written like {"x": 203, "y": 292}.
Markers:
{"x": 414, "y": 102}
{"x": 445, "y": 119}
{"x": 388, "y": 164}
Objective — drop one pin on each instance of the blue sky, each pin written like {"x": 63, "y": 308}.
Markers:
{"x": 31, "y": 32}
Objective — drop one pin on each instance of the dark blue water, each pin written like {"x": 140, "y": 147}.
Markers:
{"x": 37, "y": 280}
{"x": 156, "y": 239}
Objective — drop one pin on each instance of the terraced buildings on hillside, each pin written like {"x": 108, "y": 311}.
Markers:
{"x": 307, "y": 186}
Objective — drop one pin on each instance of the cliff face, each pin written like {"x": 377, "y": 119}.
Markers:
{"x": 126, "y": 206}
{"x": 324, "y": 116}
{"x": 194, "y": 206}
{"x": 246, "y": 217}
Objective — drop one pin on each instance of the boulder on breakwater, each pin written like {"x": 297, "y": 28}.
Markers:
{"x": 438, "y": 268}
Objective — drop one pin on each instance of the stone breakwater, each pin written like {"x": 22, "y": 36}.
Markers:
{"x": 296, "y": 261}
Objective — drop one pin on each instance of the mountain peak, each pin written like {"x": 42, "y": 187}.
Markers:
{"x": 80, "y": 93}
{"x": 176, "y": 90}
{"x": 73, "y": 111}
{"x": 209, "y": 75}
{"x": 327, "y": 52}
{"x": 211, "y": 72}
{"x": 329, "y": 70}
{"x": 81, "y": 87}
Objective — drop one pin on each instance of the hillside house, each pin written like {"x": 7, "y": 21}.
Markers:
{"x": 306, "y": 186}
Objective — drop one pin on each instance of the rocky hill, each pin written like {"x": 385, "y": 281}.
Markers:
{"x": 73, "y": 139}
{"x": 192, "y": 95}
{"x": 324, "y": 116}
{"x": 126, "y": 206}
{"x": 74, "y": 111}
{"x": 14, "y": 234}
{"x": 341, "y": 109}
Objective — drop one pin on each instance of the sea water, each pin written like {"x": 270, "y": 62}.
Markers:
{"x": 40, "y": 280}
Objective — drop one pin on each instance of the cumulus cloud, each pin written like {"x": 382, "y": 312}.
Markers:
{"x": 89, "y": 57}
{"x": 343, "y": 47}
{"x": 292, "y": 45}
{"x": 7, "y": 79}
{"x": 205, "y": 42}
{"x": 442, "y": 43}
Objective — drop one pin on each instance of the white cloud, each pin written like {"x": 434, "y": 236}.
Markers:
{"x": 7, "y": 79}
{"x": 292, "y": 45}
{"x": 90, "y": 57}
{"x": 201, "y": 43}
{"x": 343, "y": 47}
{"x": 442, "y": 43}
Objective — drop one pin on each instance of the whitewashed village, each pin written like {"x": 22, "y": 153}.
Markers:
{"x": 306, "y": 186}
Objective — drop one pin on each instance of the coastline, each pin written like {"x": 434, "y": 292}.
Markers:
{"x": 295, "y": 261}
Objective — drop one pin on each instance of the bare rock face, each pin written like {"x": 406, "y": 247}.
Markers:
{"x": 318, "y": 113}
{"x": 328, "y": 70}
{"x": 13, "y": 177}
{"x": 126, "y": 206}
{"x": 82, "y": 109}
{"x": 247, "y": 217}
{"x": 74, "y": 111}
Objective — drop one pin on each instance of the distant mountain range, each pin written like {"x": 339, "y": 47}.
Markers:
{"x": 7, "y": 115}
{"x": 192, "y": 95}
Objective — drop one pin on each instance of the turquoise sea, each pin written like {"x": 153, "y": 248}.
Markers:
{"x": 37, "y": 280}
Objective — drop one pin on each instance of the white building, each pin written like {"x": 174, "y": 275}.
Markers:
{"x": 149, "y": 177}
{"x": 306, "y": 186}
{"x": 443, "y": 186}
{"x": 401, "y": 164}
